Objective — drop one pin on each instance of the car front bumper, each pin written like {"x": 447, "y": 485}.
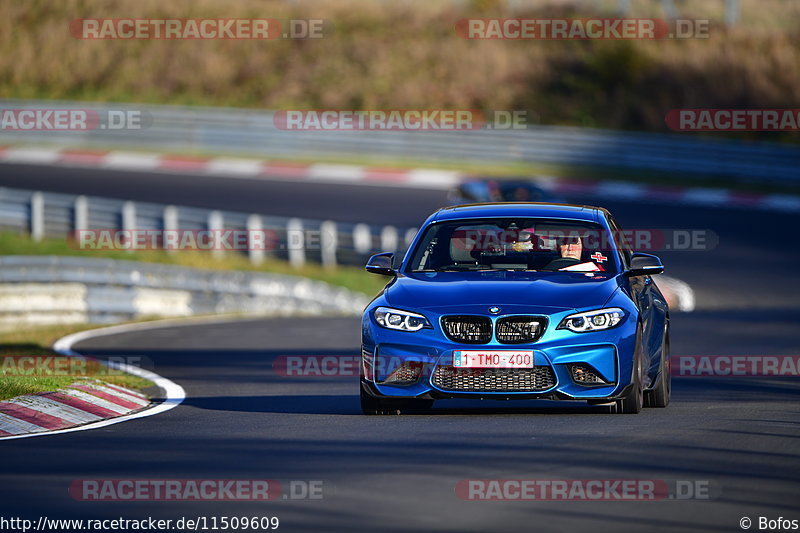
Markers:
{"x": 411, "y": 365}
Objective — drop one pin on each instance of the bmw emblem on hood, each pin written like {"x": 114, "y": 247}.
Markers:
{"x": 494, "y": 309}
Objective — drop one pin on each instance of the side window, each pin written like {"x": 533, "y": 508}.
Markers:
{"x": 622, "y": 243}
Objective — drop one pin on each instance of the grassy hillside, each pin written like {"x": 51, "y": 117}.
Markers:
{"x": 407, "y": 55}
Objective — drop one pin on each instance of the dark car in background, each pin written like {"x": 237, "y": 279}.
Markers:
{"x": 481, "y": 190}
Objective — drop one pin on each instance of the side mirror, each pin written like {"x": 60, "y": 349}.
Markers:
{"x": 644, "y": 265}
{"x": 382, "y": 264}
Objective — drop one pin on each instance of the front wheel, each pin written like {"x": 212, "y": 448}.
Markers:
{"x": 633, "y": 402}
{"x": 659, "y": 396}
{"x": 370, "y": 405}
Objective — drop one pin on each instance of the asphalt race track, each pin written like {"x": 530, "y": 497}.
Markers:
{"x": 739, "y": 437}
{"x": 287, "y": 197}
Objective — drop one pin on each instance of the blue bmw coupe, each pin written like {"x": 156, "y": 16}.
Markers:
{"x": 517, "y": 301}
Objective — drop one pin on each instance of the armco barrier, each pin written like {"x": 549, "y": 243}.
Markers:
{"x": 58, "y": 290}
{"x": 44, "y": 214}
{"x": 82, "y": 289}
{"x": 248, "y": 131}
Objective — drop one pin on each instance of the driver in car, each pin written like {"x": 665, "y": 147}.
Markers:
{"x": 571, "y": 249}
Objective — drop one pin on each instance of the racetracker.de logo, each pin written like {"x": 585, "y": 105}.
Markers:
{"x": 736, "y": 365}
{"x": 546, "y": 29}
{"x": 380, "y": 119}
{"x": 61, "y": 365}
{"x": 733, "y": 119}
{"x": 533, "y": 239}
{"x": 582, "y": 489}
{"x": 195, "y": 489}
{"x": 174, "y": 489}
{"x": 340, "y": 365}
{"x": 51, "y": 119}
{"x": 224, "y": 28}
{"x": 194, "y": 240}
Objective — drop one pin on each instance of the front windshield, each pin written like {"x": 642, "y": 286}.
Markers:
{"x": 527, "y": 244}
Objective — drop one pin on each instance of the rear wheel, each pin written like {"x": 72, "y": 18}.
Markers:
{"x": 659, "y": 396}
{"x": 633, "y": 402}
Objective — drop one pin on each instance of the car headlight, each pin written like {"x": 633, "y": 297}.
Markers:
{"x": 593, "y": 320}
{"x": 400, "y": 320}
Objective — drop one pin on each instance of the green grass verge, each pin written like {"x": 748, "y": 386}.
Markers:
{"x": 25, "y": 369}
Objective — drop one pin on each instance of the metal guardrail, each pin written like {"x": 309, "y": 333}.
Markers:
{"x": 247, "y": 131}
{"x": 59, "y": 290}
{"x": 45, "y": 214}
{"x": 49, "y": 289}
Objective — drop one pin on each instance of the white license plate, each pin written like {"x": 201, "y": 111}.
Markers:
{"x": 493, "y": 359}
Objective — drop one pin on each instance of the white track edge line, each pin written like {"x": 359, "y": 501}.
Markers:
{"x": 174, "y": 392}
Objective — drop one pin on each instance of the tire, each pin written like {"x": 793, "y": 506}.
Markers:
{"x": 632, "y": 403}
{"x": 370, "y": 405}
{"x": 660, "y": 395}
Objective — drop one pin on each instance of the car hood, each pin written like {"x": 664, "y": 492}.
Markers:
{"x": 554, "y": 290}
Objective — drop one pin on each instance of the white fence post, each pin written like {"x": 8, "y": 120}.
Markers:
{"x": 215, "y": 224}
{"x": 295, "y": 242}
{"x": 256, "y": 240}
{"x": 169, "y": 222}
{"x": 362, "y": 239}
{"x": 81, "y": 214}
{"x": 128, "y": 216}
{"x": 129, "y": 221}
{"x": 169, "y": 218}
{"x": 329, "y": 242}
{"x": 389, "y": 239}
{"x": 37, "y": 216}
